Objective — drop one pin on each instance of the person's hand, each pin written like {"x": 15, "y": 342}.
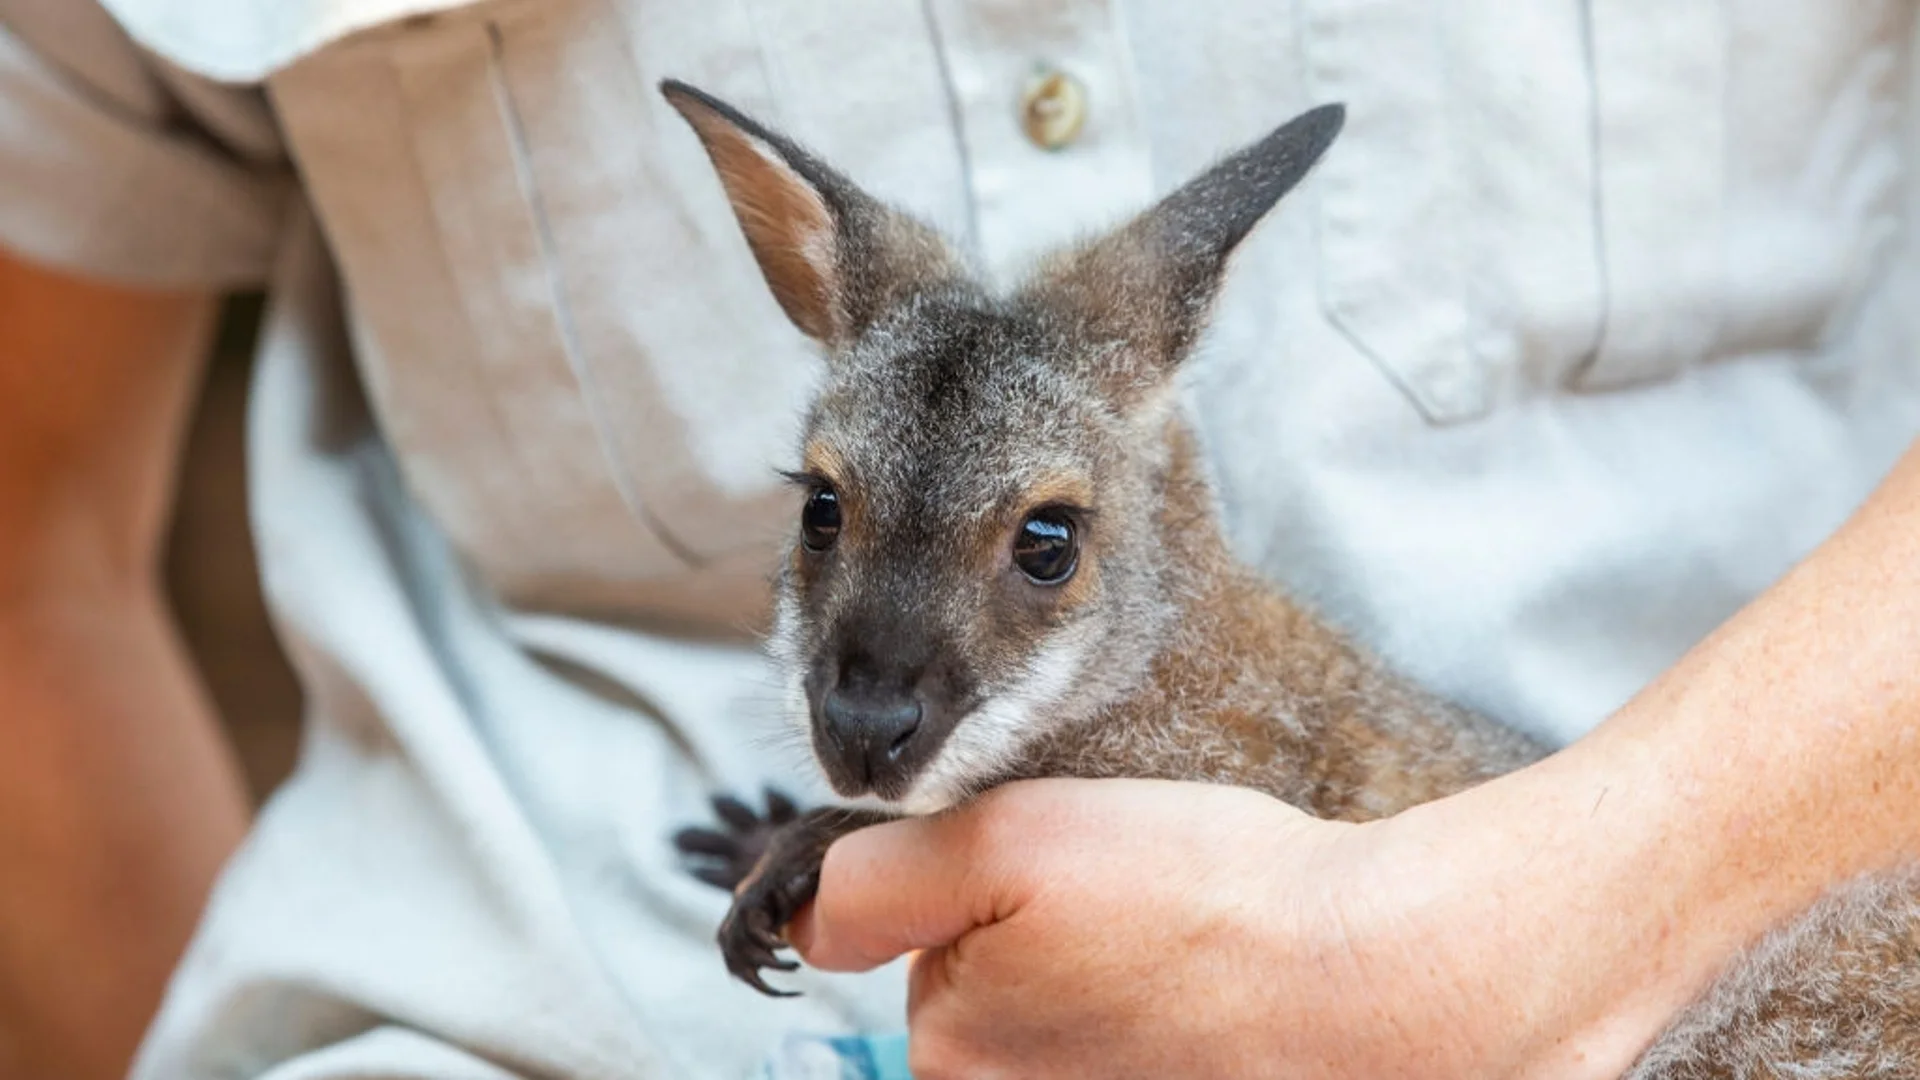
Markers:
{"x": 1143, "y": 928}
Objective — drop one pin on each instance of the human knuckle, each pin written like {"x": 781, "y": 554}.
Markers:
{"x": 834, "y": 873}
{"x": 1005, "y": 819}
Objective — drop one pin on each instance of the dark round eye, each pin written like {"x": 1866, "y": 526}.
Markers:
{"x": 820, "y": 519}
{"x": 1046, "y": 548}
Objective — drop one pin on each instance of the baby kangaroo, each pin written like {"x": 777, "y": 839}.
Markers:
{"x": 1008, "y": 564}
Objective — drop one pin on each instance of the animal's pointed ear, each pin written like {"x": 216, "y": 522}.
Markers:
{"x": 835, "y": 257}
{"x": 1152, "y": 281}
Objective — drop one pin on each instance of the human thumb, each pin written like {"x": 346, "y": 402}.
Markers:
{"x": 912, "y": 884}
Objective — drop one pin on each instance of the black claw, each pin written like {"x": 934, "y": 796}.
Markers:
{"x": 751, "y": 946}
{"x": 780, "y": 809}
{"x": 752, "y": 978}
{"x": 767, "y": 958}
{"x": 698, "y": 841}
{"x": 720, "y": 877}
{"x": 738, "y": 815}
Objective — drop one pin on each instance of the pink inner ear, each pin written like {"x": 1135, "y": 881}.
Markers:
{"x": 786, "y": 223}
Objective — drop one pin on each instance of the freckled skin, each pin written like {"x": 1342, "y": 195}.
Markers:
{"x": 950, "y": 413}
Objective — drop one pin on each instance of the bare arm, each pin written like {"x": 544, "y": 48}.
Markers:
{"x": 1545, "y": 924}
{"x": 1780, "y": 756}
{"x": 118, "y": 801}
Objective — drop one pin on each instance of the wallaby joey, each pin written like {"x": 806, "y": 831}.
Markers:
{"x": 1008, "y": 564}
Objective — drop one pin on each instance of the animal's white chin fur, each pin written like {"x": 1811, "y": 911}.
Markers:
{"x": 991, "y": 736}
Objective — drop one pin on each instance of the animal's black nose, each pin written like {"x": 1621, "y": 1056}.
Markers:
{"x": 870, "y": 734}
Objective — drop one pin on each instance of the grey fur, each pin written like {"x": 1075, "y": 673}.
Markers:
{"x": 949, "y": 412}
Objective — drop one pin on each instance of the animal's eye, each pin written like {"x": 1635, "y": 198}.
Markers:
{"x": 820, "y": 519}
{"x": 1046, "y": 548}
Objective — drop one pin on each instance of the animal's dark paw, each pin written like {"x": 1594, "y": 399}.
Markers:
{"x": 754, "y": 855}
{"x": 772, "y": 863}
{"x": 724, "y": 857}
{"x": 754, "y": 931}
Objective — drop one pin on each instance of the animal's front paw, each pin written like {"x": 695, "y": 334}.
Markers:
{"x": 724, "y": 857}
{"x": 755, "y": 929}
{"x": 772, "y": 864}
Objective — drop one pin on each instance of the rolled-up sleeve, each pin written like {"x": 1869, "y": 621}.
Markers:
{"x": 115, "y": 166}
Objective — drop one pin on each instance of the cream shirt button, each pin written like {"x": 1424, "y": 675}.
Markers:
{"x": 1053, "y": 108}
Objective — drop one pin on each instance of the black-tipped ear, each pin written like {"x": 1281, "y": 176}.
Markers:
{"x": 1217, "y": 209}
{"x": 1153, "y": 280}
{"x": 834, "y": 257}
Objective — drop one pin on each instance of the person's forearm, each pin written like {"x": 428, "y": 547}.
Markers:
{"x": 118, "y": 798}
{"x": 120, "y": 803}
{"x": 1778, "y": 758}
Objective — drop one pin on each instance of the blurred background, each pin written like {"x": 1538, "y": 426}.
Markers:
{"x": 211, "y": 571}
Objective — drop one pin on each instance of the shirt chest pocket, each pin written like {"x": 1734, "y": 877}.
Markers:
{"x": 1543, "y": 198}
{"x": 559, "y": 325}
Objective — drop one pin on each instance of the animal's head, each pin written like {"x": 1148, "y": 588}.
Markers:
{"x": 979, "y": 555}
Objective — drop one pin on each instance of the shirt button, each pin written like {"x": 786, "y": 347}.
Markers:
{"x": 1053, "y": 108}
